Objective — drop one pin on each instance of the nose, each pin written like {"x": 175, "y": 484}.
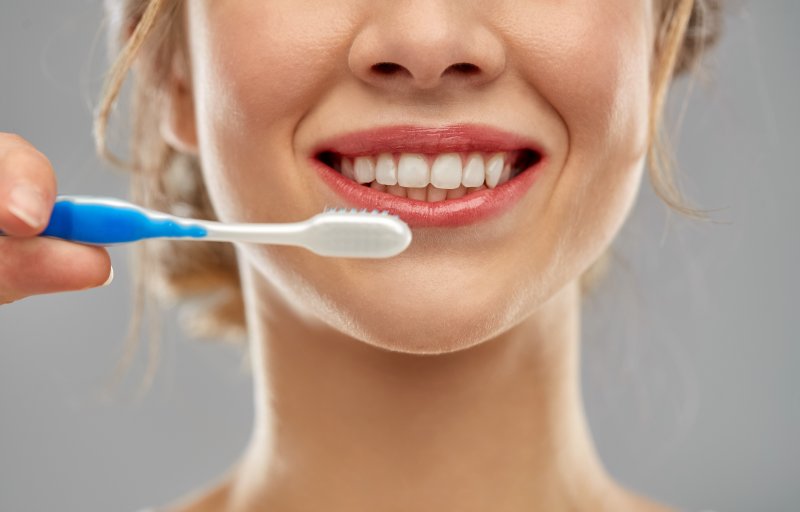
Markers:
{"x": 425, "y": 44}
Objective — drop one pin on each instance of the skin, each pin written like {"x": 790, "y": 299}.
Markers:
{"x": 28, "y": 265}
{"x": 445, "y": 378}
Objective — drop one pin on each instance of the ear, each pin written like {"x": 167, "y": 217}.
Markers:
{"x": 178, "y": 126}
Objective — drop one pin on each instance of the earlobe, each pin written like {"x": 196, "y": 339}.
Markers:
{"x": 178, "y": 126}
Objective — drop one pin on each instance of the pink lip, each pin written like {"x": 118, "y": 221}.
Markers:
{"x": 415, "y": 139}
{"x": 473, "y": 208}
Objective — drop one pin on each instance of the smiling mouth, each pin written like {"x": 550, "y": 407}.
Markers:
{"x": 432, "y": 177}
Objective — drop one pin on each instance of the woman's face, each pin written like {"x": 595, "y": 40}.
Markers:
{"x": 275, "y": 83}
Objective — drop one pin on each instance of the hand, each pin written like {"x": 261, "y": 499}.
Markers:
{"x": 31, "y": 265}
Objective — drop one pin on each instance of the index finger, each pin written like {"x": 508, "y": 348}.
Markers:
{"x": 27, "y": 187}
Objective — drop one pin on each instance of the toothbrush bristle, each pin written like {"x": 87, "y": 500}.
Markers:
{"x": 331, "y": 209}
{"x": 353, "y": 232}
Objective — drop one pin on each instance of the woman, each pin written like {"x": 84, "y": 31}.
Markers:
{"x": 445, "y": 378}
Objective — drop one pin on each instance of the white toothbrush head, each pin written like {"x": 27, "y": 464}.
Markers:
{"x": 356, "y": 234}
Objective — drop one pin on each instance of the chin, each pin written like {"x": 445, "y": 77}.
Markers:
{"x": 434, "y": 308}
{"x": 421, "y": 323}
{"x": 422, "y": 338}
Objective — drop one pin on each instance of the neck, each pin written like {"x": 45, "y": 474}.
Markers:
{"x": 341, "y": 425}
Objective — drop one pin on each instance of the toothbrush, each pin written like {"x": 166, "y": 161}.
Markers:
{"x": 335, "y": 232}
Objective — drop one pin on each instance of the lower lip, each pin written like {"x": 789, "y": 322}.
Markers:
{"x": 475, "y": 207}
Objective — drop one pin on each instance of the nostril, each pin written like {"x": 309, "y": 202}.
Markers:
{"x": 386, "y": 68}
{"x": 465, "y": 68}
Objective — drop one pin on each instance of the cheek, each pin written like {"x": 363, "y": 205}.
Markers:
{"x": 266, "y": 58}
{"x": 256, "y": 68}
{"x": 591, "y": 62}
{"x": 597, "y": 57}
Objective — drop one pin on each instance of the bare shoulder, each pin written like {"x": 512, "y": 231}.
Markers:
{"x": 213, "y": 499}
{"x": 216, "y": 499}
{"x": 633, "y": 502}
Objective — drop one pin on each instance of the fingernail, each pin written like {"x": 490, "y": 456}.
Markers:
{"x": 27, "y": 204}
{"x": 110, "y": 278}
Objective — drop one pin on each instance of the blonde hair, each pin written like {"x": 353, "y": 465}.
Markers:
{"x": 149, "y": 34}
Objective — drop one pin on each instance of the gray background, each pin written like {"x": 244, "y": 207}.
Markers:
{"x": 691, "y": 359}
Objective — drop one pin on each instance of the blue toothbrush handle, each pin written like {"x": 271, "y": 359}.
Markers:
{"x": 101, "y": 221}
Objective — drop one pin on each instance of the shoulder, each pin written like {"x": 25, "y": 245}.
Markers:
{"x": 211, "y": 499}
{"x": 634, "y": 501}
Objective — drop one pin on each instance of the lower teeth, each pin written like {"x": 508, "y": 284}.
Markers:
{"x": 428, "y": 194}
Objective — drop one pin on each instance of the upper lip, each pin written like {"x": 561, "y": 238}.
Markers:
{"x": 460, "y": 138}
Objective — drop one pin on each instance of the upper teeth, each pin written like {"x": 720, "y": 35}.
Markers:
{"x": 446, "y": 171}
